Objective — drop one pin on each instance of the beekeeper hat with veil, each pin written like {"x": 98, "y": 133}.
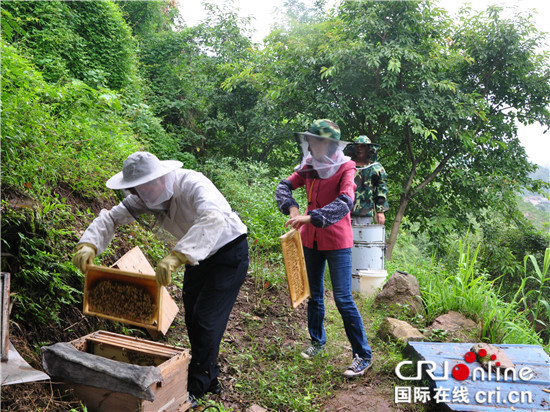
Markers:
{"x": 322, "y": 148}
{"x": 145, "y": 185}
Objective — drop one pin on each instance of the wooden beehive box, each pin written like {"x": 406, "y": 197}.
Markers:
{"x": 170, "y": 395}
{"x": 128, "y": 297}
{"x": 135, "y": 261}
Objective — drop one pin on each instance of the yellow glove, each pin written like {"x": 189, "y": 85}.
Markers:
{"x": 85, "y": 254}
{"x": 168, "y": 265}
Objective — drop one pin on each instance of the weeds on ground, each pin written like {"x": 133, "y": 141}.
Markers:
{"x": 466, "y": 290}
{"x": 535, "y": 302}
{"x": 272, "y": 373}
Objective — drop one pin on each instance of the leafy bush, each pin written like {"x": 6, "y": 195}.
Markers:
{"x": 250, "y": 189}
{"x": 177, "y": 88}
{"x": 149, "y": 130}
{"x": 54, "y": 134}
{"x": 467, "y": 290}
{"x": 55, "y": 139}
{"x": 88, "y": 41}
{"x": 146, "y": 17}
{"x": 503, "y": 249}
{"x": 45, "y": 281}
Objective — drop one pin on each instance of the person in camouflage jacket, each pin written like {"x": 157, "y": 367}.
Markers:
{"x": 371, "y": 181}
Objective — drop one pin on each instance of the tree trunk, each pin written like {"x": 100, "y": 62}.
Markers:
{"x": 408, "y": 193}
{"x": 396, "y": 224}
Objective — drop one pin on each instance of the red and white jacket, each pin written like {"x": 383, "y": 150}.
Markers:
{"x": 329, "y": 204}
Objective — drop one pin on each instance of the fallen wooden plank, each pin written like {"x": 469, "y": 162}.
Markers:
{"x": 521, "y": 389}
{"x": 4, "y": 316}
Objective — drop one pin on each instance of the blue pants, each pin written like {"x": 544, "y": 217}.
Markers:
{"x": 210, "y": 290}
{"x": 339, "y": 263}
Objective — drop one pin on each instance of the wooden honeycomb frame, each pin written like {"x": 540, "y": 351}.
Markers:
{"x": 145, "y": 281}
{"x": 295, "y": 266}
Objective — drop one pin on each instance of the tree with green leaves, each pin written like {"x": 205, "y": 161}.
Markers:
{"x": 148, "y": 17}
{"x": 442, "y": 98}
{"x": 186, "y": 69}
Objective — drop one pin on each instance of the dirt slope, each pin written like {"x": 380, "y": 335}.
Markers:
{"x": 268, "y": 310}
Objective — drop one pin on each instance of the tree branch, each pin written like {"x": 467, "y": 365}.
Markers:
{"x": 432, "y": 175}
{"x": 408, "y": 185}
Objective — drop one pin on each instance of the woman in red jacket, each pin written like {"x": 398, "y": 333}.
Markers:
{"x": 325, "y": 229}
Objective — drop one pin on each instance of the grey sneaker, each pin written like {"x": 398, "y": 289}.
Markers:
{"x": 312, "y": 351}
{"x": 358, "y": 367}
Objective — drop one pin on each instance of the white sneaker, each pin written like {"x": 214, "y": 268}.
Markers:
{"x": 312, "y": 351}
{"x": 358, "y": 367}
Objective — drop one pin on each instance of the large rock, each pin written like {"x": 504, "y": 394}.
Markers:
{"x": 453, "y": 327}
{"x": 399, "y": 330}
{"x": 400, "y": 295}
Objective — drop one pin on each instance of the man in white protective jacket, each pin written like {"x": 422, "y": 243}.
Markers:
{"x": 210, "y": 242}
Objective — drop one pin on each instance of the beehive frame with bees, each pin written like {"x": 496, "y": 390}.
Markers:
{"x": 127, "y": 297}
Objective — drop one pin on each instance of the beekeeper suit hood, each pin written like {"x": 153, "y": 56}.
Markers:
{"x": 152, "y": 179}
{"x": 322, "y": 148}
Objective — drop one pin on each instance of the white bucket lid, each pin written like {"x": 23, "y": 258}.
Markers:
{"x": 375, "y": 273}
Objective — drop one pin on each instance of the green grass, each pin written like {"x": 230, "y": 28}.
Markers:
{"x": 465, "y": 289}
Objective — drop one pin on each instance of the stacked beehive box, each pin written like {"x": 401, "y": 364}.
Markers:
{"x": 107, "y": 372}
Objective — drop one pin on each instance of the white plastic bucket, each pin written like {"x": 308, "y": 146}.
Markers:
{"x": 368, "y": 282}
{"x": 369, "y": 233}
{"x": 367, "y": 256}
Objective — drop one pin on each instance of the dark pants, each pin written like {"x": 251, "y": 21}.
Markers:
{"x": 210, "y": 290}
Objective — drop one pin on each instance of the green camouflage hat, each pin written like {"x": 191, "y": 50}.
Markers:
{"x": 364, "y": 140}
{"x": 350, "y": 151}
{"x": 324, "y": 128}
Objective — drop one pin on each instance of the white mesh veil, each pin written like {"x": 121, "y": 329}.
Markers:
{"x": 149, "y": 207}
{"x": 158, "y": 191}
{"x": 323, "y": 154}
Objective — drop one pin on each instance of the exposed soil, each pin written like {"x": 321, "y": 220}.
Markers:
{"x": 256, "y": 304}
{"x": 363, "y": 394}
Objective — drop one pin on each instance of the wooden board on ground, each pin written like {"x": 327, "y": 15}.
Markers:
{"x": 4, "y": 316}
{"x": 173, "y": 362}
{"x": 295, "y": 266}
{"x": 135, "y": 261}
{"x": 525, "y": 388}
